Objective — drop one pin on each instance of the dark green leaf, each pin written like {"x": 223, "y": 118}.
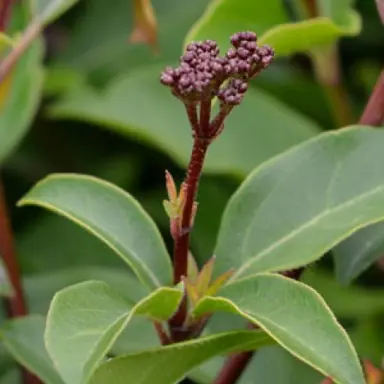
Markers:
{"x": 110, "y": 214}
{"x": 296, "y": 317}
{"x": 85, "y": 320}
{"x": 355, "y": 254}
{"x": 24, "y": 339}
{"x": 296, "y": 207}
{"x": 148, "y": 367}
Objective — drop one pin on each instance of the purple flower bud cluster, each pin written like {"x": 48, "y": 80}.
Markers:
{"x": 201, "y": 73}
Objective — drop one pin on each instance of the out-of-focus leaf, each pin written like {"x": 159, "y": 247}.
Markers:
{"x": 303, "y": 324}
{"x": 258, "y": 129}
{"x": 5, "y": 285}
{"x": 355, "y": 254}
{"x": 103, "y": 52}
{"x": 145, "y": 24}
{"x": 20, "y": 91}
{"x": 49, "y": 10}
{"x": 180, "y": 359}
{"x": 110, "y": 214}
{"x": 24, "y": 339}
{"x": 222, "y": 18}
{"x": 85, "y": 320}
{"x": 290, "y": 38}
{"x": 294, "y": 208}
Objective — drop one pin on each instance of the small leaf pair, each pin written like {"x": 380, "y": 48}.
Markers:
{"x": 199, "y": 284}
{"x": 175, "y": 205}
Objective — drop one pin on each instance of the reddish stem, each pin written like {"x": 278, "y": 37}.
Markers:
{"x": 181, "y": 245}
{"x": 5, "y": 11}
{"x": 235, "y": 365}
{"x": 181, "y": 242}
{"x": 163, "y": 336}
{"x": 16, "y": 306}
{"x": 374, "y": 111}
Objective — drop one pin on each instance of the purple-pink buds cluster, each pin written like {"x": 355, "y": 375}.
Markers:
{"x": 201, "y": 73}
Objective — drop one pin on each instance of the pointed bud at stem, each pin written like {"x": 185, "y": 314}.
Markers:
{"x": 205, "y": 276}
{"x": 171, "y": 186}
{"x": 219, "y": 282}
{"x": 374, "y": 375}
{"x": 193, "y": 270}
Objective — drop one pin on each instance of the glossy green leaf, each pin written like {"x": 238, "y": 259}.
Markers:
{"x": 20, "y": 93}
{"x": 148, "y": 367}
{"x": 222, "y": 18}
{"x": 49, "y": 10}
{"x": 290, "y": 38}
{"x": 294, "y": 208}
{"x": 24, "y": 339}
{"x": 296, "y": 317}
{"x": 5, "y": 285}
{"x": 85, "y": 320}
{"x": 110, "y": 214}
{"x": 355, "y": 254}
{"x": 237, "y": 150}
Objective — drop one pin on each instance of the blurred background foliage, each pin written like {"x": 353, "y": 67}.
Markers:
{"x": 103, "y": 112}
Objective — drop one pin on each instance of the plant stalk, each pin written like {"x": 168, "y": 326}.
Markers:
{"x": 15, "y": 305}
{"x": 374, "y": 111}
{"x": 181, "y": 242}
{"x": 30, "y": 34}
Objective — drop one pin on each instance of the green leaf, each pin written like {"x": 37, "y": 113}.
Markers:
{"x": 110, "y": 214}
{"x": 166, "y": 126}
{"x": 303, "y": 36}
{"x": 50, "y": 10}
{"x": 355, "y": 254}
{"x": 296, "y": 317}
{"x": 222, "y": 18}
{"x": 294, "y": 208}
{"x": 85, "y": 320}
{"x": 6, "y": 288}
{"x": 20, "y": 92}
{"x": 23, "y": 338}
{"x": 179, "y": 358}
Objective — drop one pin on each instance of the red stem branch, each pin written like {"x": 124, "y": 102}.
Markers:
{"x": 16, "y": 306}
{"x": 181, "y": 245}
{"x": 374, "y": 111}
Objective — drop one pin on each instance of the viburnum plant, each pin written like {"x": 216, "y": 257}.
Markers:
{"x": 270, "y": 231}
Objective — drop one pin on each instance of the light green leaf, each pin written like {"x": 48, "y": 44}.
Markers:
{"x": 222, "y": 18}
{"x": 85, "y": 320}
{"x": 148, "y": 367}
{"x": 296, "y": 317}
{"x": 5, "y": 285}
{"x": 355, "y": 254}
{"x": 287, "y": 39}
{"x": 24, "y": 339}
{"x": 49, "y": 10}
{"x": 166, "y": 126}
{"x": 20, "y": 92}
{"x": 110, "y": 214}
{"x": 294, "y": 208}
